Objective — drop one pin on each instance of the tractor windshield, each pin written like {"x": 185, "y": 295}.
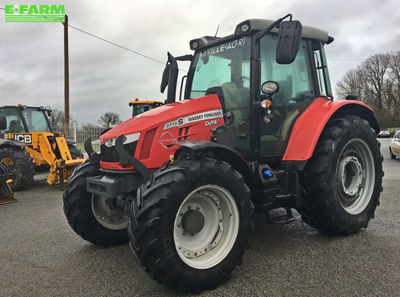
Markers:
{"x": 226, "y": 65}
{"x": 35, "y": 119}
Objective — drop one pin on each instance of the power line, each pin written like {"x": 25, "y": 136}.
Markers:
{"x": 112, "y": 43}
{"x": 117, "y": 45}
{"x": 156, "y": 60}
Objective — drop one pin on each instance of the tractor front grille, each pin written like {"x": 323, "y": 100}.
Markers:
{"x": 109, "y": 154}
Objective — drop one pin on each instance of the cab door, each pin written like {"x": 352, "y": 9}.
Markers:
{"x": 295, "y": 94}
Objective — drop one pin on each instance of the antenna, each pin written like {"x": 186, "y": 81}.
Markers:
{"x": 217, "y": 31}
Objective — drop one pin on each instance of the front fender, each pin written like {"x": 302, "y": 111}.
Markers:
{"x": 221, "y": 152}
{"x": 309, "y": 126}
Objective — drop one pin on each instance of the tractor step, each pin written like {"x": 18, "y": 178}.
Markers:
{"x": 280, "y": 219}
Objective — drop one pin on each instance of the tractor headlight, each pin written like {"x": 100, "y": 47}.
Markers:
{"x": 109, "y": 142}
{"x": 131, "y": 138}
{"x": 126, "y": 139}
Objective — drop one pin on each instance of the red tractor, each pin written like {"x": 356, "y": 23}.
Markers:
{"x": 260, "y": 132}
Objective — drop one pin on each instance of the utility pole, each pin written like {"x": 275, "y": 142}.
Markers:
{"x": 66, "y": 79}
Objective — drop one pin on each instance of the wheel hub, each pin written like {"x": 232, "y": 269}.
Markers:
{"x": 107, "y": 215}
{"x": 351, "y": 172}
{"x": 206, "y": 226}
{"x": 355, "y": 176}
{"x": 193, "y": 221}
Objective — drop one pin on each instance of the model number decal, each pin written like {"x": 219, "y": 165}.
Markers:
{"x": 26, "y": 138}
{"x": 212, "y": 114}
{"x": 211, "y": 123}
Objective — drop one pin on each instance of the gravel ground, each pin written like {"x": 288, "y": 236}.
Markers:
{"x": 42, "y": 256}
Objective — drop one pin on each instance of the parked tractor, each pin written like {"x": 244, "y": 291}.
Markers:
{"x": 27, "y": 144}
{"x": 258, "y": 130}
{"x": 141, "y": 106}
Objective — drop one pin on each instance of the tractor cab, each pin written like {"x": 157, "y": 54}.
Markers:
{"x": 241, "y": 68}
{"x": 140, "y": 106}
{"x": 24, "y": 119}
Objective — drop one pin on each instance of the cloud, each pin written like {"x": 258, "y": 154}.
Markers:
{"x": 104, "y": 78}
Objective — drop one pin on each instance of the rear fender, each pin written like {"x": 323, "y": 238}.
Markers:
{"x": 309, "y": 126}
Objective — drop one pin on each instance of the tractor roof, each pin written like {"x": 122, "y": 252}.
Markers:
{"x": 261, "y": 24}
{"x": 144, "y": 102}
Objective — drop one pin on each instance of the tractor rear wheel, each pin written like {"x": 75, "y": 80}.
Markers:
{"x": 21, "y": 162}
{"x": 190, "y": 226}
{"x": 343, "y": 179}
{"x": 89, "y": 215}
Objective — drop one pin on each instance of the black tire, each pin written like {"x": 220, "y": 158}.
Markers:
{"x": 75, "y": 152}
{"x": 323, "y": 198}
{"x": 78, "y": 209}
{"x": 22, "y": 165}
{"x": 151, "y": 229}
{"x": 392, "y": 156}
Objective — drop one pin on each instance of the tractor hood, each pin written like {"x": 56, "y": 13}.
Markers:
{"x": 168, "y": 116}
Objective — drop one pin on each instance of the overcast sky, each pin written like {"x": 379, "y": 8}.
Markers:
{"x": 104, "y": 77}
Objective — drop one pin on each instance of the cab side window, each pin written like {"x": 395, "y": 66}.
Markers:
{"x": 14, "y": 121}
{"x": 321, "y": 69}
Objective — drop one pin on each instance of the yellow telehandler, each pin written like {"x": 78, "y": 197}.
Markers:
{"x": 27, "y": 144}
{"x": 140, "y": 106}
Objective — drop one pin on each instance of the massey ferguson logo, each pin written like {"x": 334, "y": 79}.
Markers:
{"x": 27, "y": 138}
{"x": 208, "y": 115}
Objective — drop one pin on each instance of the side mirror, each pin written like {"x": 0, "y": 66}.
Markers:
{"x": 289, "y": 36}
{"x": 165, "y": 75}
{"x": 269, "y": 88}
{"x": 3, "y": 122}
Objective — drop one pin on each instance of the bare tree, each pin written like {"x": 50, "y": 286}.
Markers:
{"x": 376, "y": 82}
{"x": 109, "y": 119}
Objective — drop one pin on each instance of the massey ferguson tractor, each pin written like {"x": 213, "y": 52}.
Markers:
{"x": 257, "y": 130}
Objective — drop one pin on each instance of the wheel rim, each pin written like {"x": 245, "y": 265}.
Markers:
{"x": 355, "y": 176}
{"x": 206, "y": 226}
{"x": 7, "y": 161}
{"x": 107, "y": 215}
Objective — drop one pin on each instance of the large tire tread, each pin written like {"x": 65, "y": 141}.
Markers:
{"x": 320, "y": 211}
{"x": 23, "y": 166}
{"x": 147, "y": 230}
{"x": 77, "y": 209}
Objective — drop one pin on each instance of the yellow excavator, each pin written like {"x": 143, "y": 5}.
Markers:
{"x": 27, "y": 145}
{"x": 140, "y": 106}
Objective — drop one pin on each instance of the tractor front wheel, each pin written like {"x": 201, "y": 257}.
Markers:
{"x": 21, "y": 162}
{"x": 190, "y": 225}
{"x": 343, "y": 179}
{"x": 92, "y": 217}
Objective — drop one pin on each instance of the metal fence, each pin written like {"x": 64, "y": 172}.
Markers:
{"x": 80, "y": 134}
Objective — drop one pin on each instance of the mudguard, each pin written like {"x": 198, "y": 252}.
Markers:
{"x": 223, "y": 153}
{"x": 309, "y": 126}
